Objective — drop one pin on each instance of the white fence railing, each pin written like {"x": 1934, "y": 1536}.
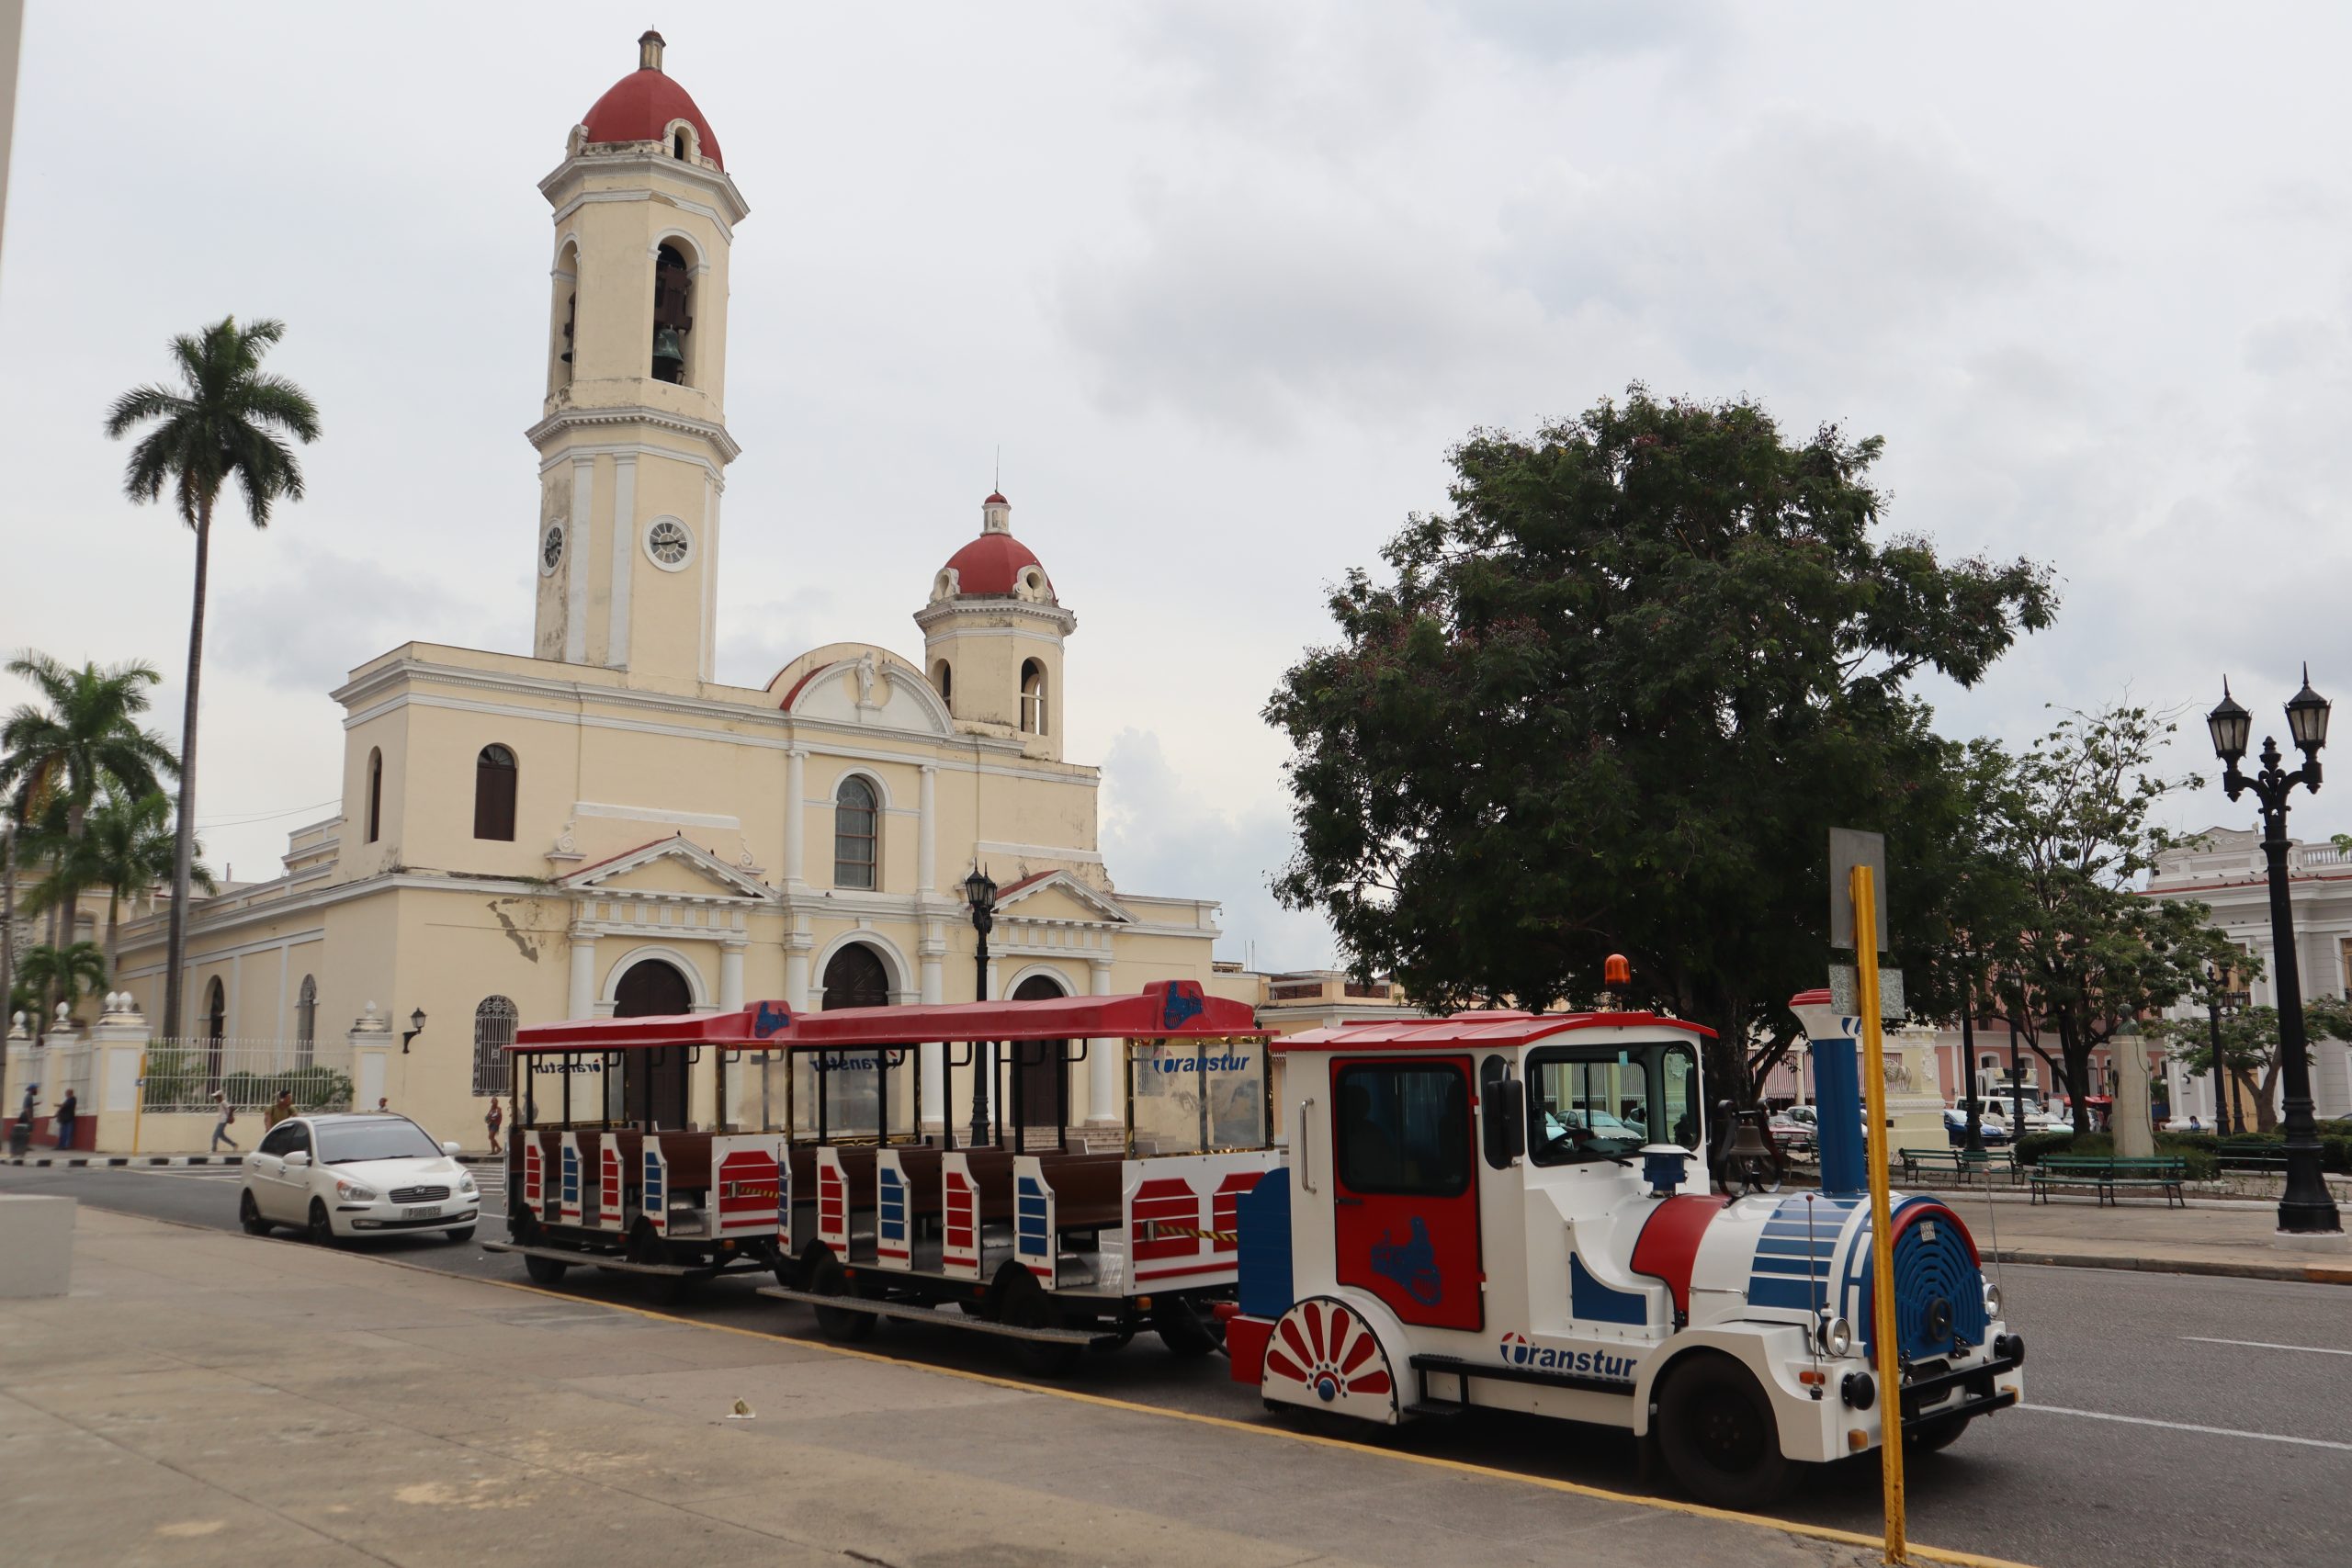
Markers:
{"x": 184, "y": 1075}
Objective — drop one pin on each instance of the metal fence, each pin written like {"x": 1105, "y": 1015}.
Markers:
{"x": 184, "y": 1075}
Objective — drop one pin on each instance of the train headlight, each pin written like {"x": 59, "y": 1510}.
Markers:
{"x": 1992, "y": 1300}
{"x": 1835, "y": 1334}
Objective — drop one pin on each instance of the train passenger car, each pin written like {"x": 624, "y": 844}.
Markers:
{"x": 607, "y": 1167}
{"x": 1010, "y": 1216}
{"x": 1506, "y": 1210}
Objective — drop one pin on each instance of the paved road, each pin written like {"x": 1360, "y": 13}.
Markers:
{"x": 2175, "y": 1419}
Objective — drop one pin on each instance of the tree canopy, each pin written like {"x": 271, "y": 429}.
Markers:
{"x": 1614, "y": 699}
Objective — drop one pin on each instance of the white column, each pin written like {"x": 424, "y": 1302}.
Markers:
{"x": 796, "y": 795}
{"x": 581, "y": 999}
{"x": 575, "y": 546}
{"x": 730, "y": 977}
{"x": 1103, "y": 1106}
{"x": 797, "y": 944}
{"x": 927, "y": 835}
{"x": 624, "y": 563}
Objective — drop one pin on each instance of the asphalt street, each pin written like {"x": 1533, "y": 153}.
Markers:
{"x": 2173, "y": 1418}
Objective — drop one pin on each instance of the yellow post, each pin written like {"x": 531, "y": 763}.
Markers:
{"x": 1883, "y": 1348}
{"x": 138, "y": 1101}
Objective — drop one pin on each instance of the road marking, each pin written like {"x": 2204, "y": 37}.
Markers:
{"x": 2265, "y": 1344}
{"x": 2190, "y": 1427}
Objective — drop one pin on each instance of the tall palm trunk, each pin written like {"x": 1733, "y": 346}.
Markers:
{"x": 184, "y": 846}
{"x": 7, "y": 950}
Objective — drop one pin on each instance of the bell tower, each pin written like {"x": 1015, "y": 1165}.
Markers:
{"x": 992, "y": 636}
{"x": 633, "y": 443}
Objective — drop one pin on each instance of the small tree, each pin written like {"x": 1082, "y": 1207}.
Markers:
{"x": 63, "y": 974}
{"x": 2250, "y": 1053}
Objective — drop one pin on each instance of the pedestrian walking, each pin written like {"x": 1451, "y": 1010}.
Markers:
{"x": 494, "y": 1120}
{"x": 279, "y": 1110}
{"x": 383, "y": 1105}
{"x": 221, "y": 1122}
{"x": 69, "y": 1110}
{"x": 20, "y": 1136}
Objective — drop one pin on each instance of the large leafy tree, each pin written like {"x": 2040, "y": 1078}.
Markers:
{"x": 229, "y": 419}
{"x": 2093, "y": 955}
{"x": 128, "y": 847}
{"x": 1614, "y": 699}
{"x": 2249, "y": 1053}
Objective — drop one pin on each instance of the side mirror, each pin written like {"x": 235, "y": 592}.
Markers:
{"x": 451, "y": 1149}
{"x": 1503, "y": 1105}
{"x": 299, "y": 1159}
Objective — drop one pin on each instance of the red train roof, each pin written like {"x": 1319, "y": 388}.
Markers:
{"x": 1494, "y": 1028}
{"x": 1165, "y": 1010}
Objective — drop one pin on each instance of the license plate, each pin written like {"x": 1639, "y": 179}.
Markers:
{"x": 430, "y": 1212}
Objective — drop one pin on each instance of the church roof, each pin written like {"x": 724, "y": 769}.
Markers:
{"x": 640, "y": 108}
{"x": 992, "y": 563}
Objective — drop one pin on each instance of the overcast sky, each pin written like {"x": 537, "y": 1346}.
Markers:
{"x": 1225, "y": 282}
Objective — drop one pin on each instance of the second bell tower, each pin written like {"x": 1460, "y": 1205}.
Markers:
{"x": 633, "y": 443}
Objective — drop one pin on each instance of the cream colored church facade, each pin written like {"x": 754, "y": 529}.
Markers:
{"x": 598, "y": 826}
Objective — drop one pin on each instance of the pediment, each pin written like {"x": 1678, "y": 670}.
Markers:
{"x": 674, "y": 867}
{"x": 856, "y": 684}
{"x": 1059, "y": 895}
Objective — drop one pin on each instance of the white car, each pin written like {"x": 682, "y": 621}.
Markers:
{"x": 337, "y": 1177}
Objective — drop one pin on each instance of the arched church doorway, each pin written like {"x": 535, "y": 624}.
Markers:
{"x": 653, "y": 1083}
{"x": 856, "y": 977}
{"x": 1041, "y": 1072}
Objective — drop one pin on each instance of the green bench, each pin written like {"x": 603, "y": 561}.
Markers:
{"x": 2110, "y": 1174}
{"x": 1958, "y": 1163}
{"x": 2250, "y": 1154}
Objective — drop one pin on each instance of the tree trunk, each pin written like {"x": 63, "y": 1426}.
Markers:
{"x": 114, "y": 926}
{"x": 2265, "y": 1110}
{"x": 7, "y": 952}
{"x": 2077, "y": 1052}
{"x": 184, "y": 847}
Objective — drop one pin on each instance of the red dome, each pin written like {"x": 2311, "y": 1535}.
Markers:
{"x": 640, "y": 108}
{"x": 991, "y": 564}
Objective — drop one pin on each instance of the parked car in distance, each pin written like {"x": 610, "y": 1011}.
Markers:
{"x": 1993, "y": 1128}
{"x": 1795, "y": 1135}
{"x": 335, "y": 1176}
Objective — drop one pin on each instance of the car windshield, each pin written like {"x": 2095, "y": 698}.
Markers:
{"x": 347, "y": 1142}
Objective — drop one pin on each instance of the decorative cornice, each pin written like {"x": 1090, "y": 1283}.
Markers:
{"x": 635, "y": 414}
{"x": 646, "y": 159}
{"x": 940, "y": 611}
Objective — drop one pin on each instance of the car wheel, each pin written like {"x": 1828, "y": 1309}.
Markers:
{"x": 826, "y": 1278}
{"x": 249, "y": 1215}
{"x": 545, "y": 1270}
{"x": 322, "y": 1229}
{"x": 1716, "y": 1430}
{"x": 463, "y": 1233}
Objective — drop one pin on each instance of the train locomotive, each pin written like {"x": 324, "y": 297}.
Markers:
{"x": 1493, "y": 1210}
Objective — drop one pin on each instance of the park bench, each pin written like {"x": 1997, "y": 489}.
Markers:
{"x": 2250, "y": 1154}
{"x": 2108, "y": 1175}
{"x": 1958, "y": 1163}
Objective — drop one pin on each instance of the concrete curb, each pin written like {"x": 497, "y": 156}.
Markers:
{"x": 76, "y": 1162}
{"x": 2297, "y": 1273}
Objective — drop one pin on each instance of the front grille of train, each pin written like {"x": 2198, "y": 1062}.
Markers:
{"x": 419, "y": 1194}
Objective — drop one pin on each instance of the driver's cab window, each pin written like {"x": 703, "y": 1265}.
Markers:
{"x": 1404, "y": 1129}
{"x": 1603, "y": 1103}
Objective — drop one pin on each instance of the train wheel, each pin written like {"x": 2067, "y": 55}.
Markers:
{"x": 1937, "y": 1436}
{"x": 1184, "y": 1327}
{"x": 826, "y": 1279}
{"x": 645, "y": 1246}
{"x": 1716, "y": 1430}
{"x": 1024, "y": 1304}
{"x": 545, "y": 1270}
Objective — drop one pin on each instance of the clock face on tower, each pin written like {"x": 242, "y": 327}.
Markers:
{"x": 668, "y": 542}
{"x": 551, "y": 548}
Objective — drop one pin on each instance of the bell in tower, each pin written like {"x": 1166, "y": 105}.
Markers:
{"x": 672, "y": 285}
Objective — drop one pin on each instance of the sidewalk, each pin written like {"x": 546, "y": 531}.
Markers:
{"x": 2233, "y": 1238}
{"x": 262, "y": 1401}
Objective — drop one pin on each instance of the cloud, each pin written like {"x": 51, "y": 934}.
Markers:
{"x": 321, "y": 612}
{"x": 1160, "y": 837}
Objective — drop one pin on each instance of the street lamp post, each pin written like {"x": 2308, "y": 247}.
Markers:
{"x": 2306, "y": 1208}
{"x": 980, "y": 892}
{"x": 1974, "y": 1142}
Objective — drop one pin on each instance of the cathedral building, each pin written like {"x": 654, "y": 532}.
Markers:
{"x": 598, "y": 826}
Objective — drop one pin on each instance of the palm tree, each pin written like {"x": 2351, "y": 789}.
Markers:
{"x": 60, "y": 972}
{"x": 54, "y": 761}
{"x": 226, "y": 421}
{"x": 126, "y": 847}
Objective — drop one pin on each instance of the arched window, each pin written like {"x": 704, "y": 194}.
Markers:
{"x": 672, "y": 323}
{"x": 375, "y": 795}
{"x": 494, "y": 774}
{"x": 942, "y": 680}
{"x": 493, "y": 1033}
{"x": 1033, "y": 698}
{"x": 678, "y": 147}
{"x": 856, "y": 977}
{"x": 856, "y": 834}
{"x": 306, "y": 1022}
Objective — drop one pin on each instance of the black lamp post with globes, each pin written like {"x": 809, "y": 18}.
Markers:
{"x": 2306, "y": 1209}
{"x": 979, "y": 894}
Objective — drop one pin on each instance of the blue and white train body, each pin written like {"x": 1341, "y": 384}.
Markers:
{"x": 1509, "y": 1211}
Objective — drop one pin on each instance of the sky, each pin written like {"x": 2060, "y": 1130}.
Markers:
{"x": 1222, "y": 284}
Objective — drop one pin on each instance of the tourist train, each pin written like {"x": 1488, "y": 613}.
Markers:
{"x": 1492, "y": 1210}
